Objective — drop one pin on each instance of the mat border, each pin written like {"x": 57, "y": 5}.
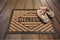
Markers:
{"x": 29, "y": 32}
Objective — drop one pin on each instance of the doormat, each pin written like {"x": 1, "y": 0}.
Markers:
{"x": 27, "y": 21}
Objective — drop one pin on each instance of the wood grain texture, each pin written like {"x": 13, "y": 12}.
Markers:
{"x": 5, "y": 15}
{"x": 30, "y": 4}
{"x": 3, "y": 4}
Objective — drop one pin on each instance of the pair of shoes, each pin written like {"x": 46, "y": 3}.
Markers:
{"x": 42, "y": 14}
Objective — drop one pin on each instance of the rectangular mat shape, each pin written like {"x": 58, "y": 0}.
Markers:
{"x": 27, "y": 21}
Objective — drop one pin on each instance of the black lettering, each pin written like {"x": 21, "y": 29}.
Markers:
{"x": 28, "y": 19}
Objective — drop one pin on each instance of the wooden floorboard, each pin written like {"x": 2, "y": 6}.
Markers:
{"x": 5, "y": 14}
{"x": 20, "y": 4}
{"x": 3, "y": 4}
{"x": 37, "y": 4}
{"x": 29, "y": 4}
{"x": 56, "y": 11}
{"x": 56, "y": 3}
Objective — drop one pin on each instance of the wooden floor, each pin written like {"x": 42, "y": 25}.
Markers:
{"x": 6, "y": 7}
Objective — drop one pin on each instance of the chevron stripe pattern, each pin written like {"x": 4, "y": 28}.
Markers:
{"x": 28, "y": 21}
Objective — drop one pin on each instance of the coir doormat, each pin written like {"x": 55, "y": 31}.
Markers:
{"x": 27, "y": 21}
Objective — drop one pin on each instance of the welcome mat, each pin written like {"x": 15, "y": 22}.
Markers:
{"x": 27, "y": 21}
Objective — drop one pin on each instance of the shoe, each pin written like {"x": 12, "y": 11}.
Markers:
{"x": 50, "y": 14}
{"x": 43, "y": 16}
